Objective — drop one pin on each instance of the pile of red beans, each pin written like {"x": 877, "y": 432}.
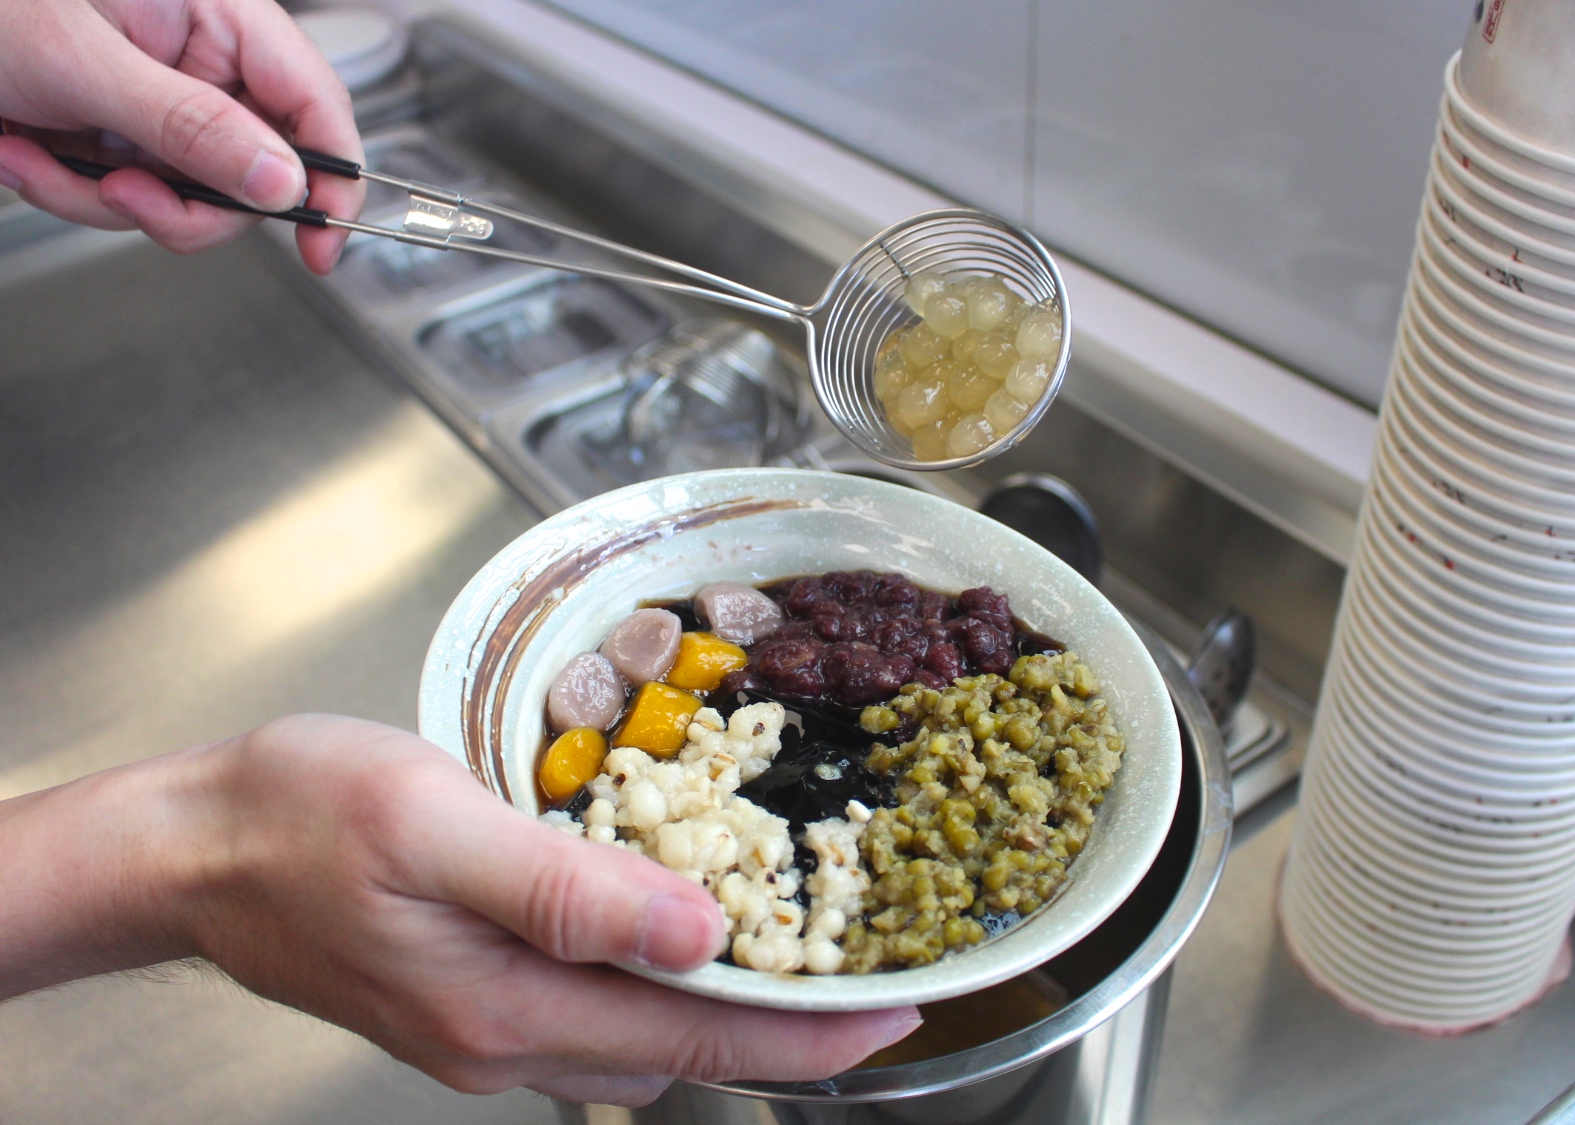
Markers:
{"x": 856, "y": 637}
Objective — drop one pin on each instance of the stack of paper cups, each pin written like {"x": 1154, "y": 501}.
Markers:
{"x": 1431, "y": 880}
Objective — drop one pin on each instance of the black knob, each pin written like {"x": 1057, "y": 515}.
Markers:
{"x": 1051, "y": 513}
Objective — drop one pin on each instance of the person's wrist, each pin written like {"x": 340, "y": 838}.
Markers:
{"x": 104, "y": 873}
{"x": 176, "y": 878}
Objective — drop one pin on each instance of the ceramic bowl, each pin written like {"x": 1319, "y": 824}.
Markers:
{"x": 559, "y": 588}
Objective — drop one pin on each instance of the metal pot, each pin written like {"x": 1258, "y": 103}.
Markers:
{"x": 1090, "y": 1062}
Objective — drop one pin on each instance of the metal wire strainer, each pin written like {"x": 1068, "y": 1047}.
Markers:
{"x": 843, "y": 329}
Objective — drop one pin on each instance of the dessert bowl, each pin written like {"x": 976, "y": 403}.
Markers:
{"x": 558, "y": 589}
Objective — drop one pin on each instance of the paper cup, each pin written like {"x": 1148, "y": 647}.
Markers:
{"x": 1492, "y": 489}
{"x": 1516, "y": 234}
{"x": 1514, "y": 81}
{"x": 1488, "y": 332}
{"x": 1514, "y": 369}
{"x": 1454, "y": 711}
{"x": 1470, "y": 506}
{"x": 1511, "y": 287}
{"x": 1404, "y": 771}
{"x": 1450, "y": 666}
{"x": 1528, "y": 219}
{"x": 1493, "y": 312}
{"x": 1499, "y": 403}
{"x": 1397, "y": 769}
{"x": 1482, "y": 255}
{"x": 1415, "y": 831}
{"x": 1413, "y": 552}
{"x": 1431, "y": 877}
{"x": 1458, "y": 533}
{"x": 1460, "y": 529}
{"x": 1447, "y": 925}
{"x": 1495, "y": 447}
{"x": 1482, "y": 158}
{"x": 1459, "y": 610}
{"x": 1429, "y": 868}
{"x": 1330, "y": 931}
{"x": 1546, "y": 321}
{"x": 1486, "y": 750}
{"x": 1350, "y": 888}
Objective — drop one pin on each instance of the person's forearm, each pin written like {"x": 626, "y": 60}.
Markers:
{"x": 98, "y": 875}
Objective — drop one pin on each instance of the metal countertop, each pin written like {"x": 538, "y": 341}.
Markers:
{"x": 1249, "y": 1040}
{"x": 212, "y": 511}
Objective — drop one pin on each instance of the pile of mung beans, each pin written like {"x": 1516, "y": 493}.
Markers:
{"x": 997, "y": 787}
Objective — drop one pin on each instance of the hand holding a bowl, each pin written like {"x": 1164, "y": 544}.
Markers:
{"x": 358, "y": 873}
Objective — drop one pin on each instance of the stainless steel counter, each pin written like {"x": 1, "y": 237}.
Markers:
{"x": 1249, "y": 1040}
{"x": 212, "y": 511}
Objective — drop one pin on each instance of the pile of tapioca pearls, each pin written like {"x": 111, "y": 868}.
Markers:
{"x": 961, "y": 379}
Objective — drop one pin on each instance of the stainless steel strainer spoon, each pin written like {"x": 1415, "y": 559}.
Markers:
{"x": 843, "y": 330}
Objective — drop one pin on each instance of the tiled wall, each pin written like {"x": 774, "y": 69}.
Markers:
{"x": 1257, "y": 164}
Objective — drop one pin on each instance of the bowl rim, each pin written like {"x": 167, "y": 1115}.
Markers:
{"x": 468, "y": 681}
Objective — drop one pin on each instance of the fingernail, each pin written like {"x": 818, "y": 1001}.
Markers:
{"x": 273, "y": 184}
{"x": 902, "y": 1029}
{"x": 118, "y": 207}
{"x": 677, "y": 933}
{"x": 10, "y": 179}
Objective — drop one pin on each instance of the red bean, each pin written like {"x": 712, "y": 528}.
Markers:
{"x": 804, "y": 596}
{"x": 933, "y": 606}
{"x": 986, "y": 605}
{"x": 745, "y": 679}
{"x": 792, "y": 667}
{"x": 859, "y": 674}
{"x": 828, "y": 617}
{"x": 894, "y": 589}
{"x": 860, "y": 635}
{"x": 945, "y": 660}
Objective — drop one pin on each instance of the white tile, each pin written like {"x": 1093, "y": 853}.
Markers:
{"x": 1257, "y": 165}
{"x": 934, "y": 88}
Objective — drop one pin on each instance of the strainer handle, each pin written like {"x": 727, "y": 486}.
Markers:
{"x": 703, "y": 277}
{"x": 704, "y": 285}
{"x": 779, "y": 310}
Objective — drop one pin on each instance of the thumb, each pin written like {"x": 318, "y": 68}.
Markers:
{"x": 572, "y": 899}
{"x": 197, "y": 129}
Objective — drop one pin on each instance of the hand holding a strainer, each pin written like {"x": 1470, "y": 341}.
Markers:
{"x": 204, "y": 87}
{"x": 360, "y": 874}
